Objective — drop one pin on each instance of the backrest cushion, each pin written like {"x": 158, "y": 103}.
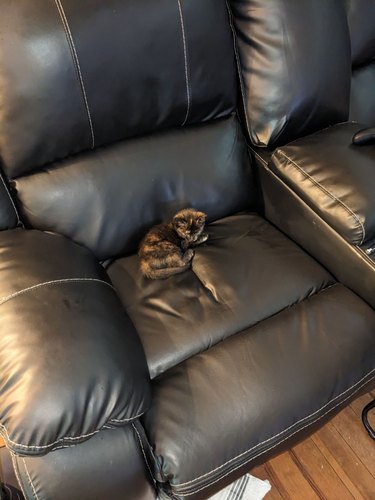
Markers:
{"x": 107, "y": 199}
{"x": 361, "y": 19}
{"x": 294, "y": 62}
{"x": 75, "y": 75}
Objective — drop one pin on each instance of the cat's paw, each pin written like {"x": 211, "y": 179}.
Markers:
{"x": 188, "y": 255}
{"x": 203, "y": 238}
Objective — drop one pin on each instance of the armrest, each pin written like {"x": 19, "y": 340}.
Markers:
{"x": 71, "y": 362}
{"x": 334, "y": 177}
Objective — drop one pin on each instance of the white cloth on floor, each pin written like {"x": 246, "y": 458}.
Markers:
{"x": 246, "y": 488}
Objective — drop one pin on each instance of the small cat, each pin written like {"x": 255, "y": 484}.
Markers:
{"x": 165, "y": 250}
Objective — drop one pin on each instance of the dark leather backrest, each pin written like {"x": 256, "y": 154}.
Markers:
{"x": 86, "y": 85}
{"x": 296, "y": 59}
{"x": 361, "y": 19}
{"x": 75, "y": 75}
{"x": 107, "y": 199}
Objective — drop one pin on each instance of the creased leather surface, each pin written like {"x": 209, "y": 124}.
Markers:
{"x": 348, "y": 263}
{"x": 252, "y": 391}
{"x": 334, "y": 177}
{"x": 70, "y": 360}
{"x": 120, "y": 191}
{"x": 292, "y": 84}
{"x": 94, "y": 470}
{"x": 77, "y": 75}
{"x": 245, "y": 272}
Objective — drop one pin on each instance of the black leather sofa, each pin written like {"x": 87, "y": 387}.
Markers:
{"x": 308, "y": 79}
{"x": 114, "y": 115}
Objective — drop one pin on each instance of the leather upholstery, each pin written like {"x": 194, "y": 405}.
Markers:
{"x": 70, "y": 359}
{"x": 304, "y": 65}
{"x": 98, "y": 73}
{"x": 231, "y": 403}
{"x": 349, "y": 263}
{"x": 9, "y": 216}
{"x": 246, "y": 272}
{"x": 206, "y": 167}
{"x": 290, "y": 85}
{"x": 108, "y": 466}
{"x": 252, "y": 348}
{"x": 334, "y": 177}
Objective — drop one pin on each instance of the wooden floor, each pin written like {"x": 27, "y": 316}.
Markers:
{"x": 335, "y": 463}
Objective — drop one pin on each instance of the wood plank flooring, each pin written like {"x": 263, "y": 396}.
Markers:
{"x": 335, "y": 463}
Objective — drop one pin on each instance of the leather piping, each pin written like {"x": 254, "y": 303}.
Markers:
{"x": 177, "y": 487}
{"x": 29, "y": 479}
{"x": 188, "y": 91}
{"x": 53, "y": 282}
{"x": 77, "y": 66}
{"x": 51, "y": 446}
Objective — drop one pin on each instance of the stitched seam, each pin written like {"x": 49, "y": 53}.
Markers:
{"x": 143, "y": 453}
{"x": 29, "y": 479}
{"x": 52, "y": 282}
{"x": 61, "y": 440}
{"x": 76, "y": 65}
{"x": 11, "y": 199}
{"x": 188, "y": 91}
{"x": 329, "y": 193}
{"x": 239, "y": 72}
{"x": 282, "y": 432}
{"x": 15, "y": 467}
{"x": 281, "y": 441}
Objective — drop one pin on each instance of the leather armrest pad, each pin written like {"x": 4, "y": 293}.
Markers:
{"x": 334, "y": 177}
{"x": 71, "y": 362}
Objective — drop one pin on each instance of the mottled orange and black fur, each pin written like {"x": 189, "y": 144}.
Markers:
{"x": 165, "y": 250}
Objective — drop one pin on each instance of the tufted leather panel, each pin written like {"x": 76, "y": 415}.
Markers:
{"x": 245, "y": 272}
{"x": 334, "y": 177}
{"x": 286, "y": 51}
{"x": 122, "y": 190}
{"x": 78, "y": 75}
{"x": 249, "y": 393}
{"x": 70, "y": 360}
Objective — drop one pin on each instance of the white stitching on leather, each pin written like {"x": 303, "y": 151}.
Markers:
{"x": 277, "y": 444}
{"x": 188, "y": 90}
{"x": 239, "y": 72}
{"x": 60, "y": 440}
{"x": 283, "y": 431}
{"x": 143, "y": 452}
{"x": 76, "y": 64}
{"x": 29, "y": 479}
{"x": 53, "y": 282}
{"x": 11, "y": 199}
{"x": 15, "y": 468}
{"x": 329, "y": 193}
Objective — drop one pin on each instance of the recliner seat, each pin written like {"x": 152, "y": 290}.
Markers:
{"x": 307, "y": 74}
{"x": 114, "y": 386}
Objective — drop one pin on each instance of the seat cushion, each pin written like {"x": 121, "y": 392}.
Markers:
{"x": 246, "y": 272}
{"x": 218, "y": 413}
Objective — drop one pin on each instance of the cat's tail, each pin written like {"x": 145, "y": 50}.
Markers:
{"x": 160, "y": 274}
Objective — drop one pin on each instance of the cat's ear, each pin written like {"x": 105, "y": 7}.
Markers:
{"x": 201, "y": 217}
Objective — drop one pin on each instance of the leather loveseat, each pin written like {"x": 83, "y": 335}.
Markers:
{"x": 114, "y": 115}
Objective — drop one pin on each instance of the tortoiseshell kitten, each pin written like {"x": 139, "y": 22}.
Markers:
{"x": 165, "y": 250}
